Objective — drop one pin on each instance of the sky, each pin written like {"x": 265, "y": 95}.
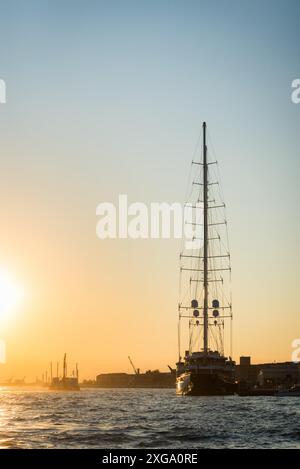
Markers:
{"x": 108, "y": 98}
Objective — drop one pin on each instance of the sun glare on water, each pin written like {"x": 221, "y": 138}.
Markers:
{"x": 11, "y": 295}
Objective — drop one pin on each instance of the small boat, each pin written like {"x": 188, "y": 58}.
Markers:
{"x": 292, "y": 391}
{"x": 65, "y": 383}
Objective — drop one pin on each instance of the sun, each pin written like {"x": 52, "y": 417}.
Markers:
{"x": 11, "y": 294}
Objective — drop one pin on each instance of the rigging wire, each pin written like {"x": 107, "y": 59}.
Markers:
{"x": 216, "y": 290}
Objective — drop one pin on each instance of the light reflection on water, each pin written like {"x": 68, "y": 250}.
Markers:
{"x": 145, "y": 418}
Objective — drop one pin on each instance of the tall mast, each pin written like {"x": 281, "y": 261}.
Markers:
{"x": 205, "y": 241}
{"x": 65, "y": 366}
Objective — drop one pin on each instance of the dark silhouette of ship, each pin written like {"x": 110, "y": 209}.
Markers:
{"x": 65, "y": 383}
{"x": 204, "y": 370}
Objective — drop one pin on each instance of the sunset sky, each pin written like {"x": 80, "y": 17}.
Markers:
{"x": 108, "y": 98}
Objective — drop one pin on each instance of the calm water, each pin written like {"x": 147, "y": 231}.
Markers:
{"x": 127, "y": 418}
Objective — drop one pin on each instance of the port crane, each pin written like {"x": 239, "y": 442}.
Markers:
{"x": 136, "y": 370}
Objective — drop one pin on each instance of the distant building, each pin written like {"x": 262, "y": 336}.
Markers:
{"x": 278, "y": 374}
{"x": 247, "y": 373}
{"x": 267, "y": 374}
{"x": 149, "y": 379}
{"x": 113, "y": 379}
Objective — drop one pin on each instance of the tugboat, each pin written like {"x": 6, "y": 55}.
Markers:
{"x": 205, "y": 370}
{"x": 65, "y": 383}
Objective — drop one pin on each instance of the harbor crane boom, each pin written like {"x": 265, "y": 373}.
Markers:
{"x": 134, "y": 368}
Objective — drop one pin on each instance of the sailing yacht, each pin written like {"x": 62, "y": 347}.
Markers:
{"x": 66, "y": 383}
{"x": 204, "y": 306}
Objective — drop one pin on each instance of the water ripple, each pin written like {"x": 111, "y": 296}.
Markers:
{"x": 145, "y": 418}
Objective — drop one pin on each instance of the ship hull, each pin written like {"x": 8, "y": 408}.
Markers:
{"x": 205, "y": 384}
{"x": 64, "y": 384}
{"x": 64, "y": 388}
